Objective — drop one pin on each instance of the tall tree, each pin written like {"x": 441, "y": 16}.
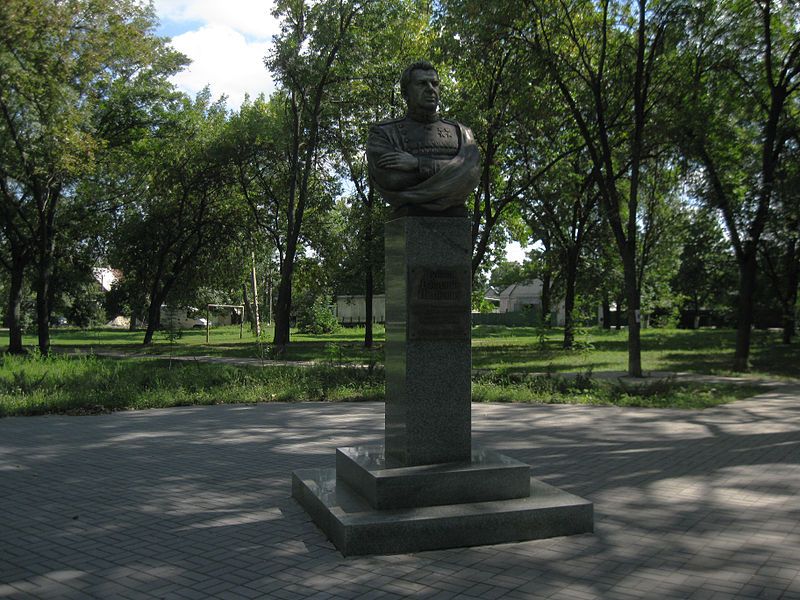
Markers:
{"x": 706, "y": 277}
{"x": 179, "y": 217}
{"x": 16, "y": 253}
{"x": 388, "y": 42}
{"x": 563, "y": 206}
{"x": 308, "y": 61}
{"x": 258, "y": 148}
{"x": 492, "y": 82}
{"x": 610, "y": 62}
{"x": 744, "y": 71}
{"x": 60, "y": 63}
{"x": 780, "y": 248}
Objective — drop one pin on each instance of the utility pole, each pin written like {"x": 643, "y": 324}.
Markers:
{"x": 269, "y": 292}
{"x": 256, "y": 320}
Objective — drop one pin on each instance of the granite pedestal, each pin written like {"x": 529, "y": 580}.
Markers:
{"x": 428, "y": 354}
{"x": 427, "y": 487}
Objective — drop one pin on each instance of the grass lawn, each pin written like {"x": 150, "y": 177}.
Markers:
{"x": 496, "y": 348}
{"x": 513, "y": 365}
{"x": 344, "y": 346}
{"x": 93, "y": 384}
{"x": 33, "y": 385}
{"x": 708, "y": 351}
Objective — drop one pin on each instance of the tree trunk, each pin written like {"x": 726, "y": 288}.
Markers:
{"x": 157, "y": 298}
{"x": 44, "y": 278}
{"x": 368, "y": 309}
{"x": 744, "y": 321}
{"x": 606, "y": 304}
{"x": 268, "y": 299}
{"x": 47, "y": 204}
{"x": 792, "y": 276}
{"x": 634, "y": 317}
{"x": 283, "y": 307}
{"x": 153, "y": 318}
{"x": 546, "y": 299}
{"x": 570, "y": 276}
{"x": 248, "y": 312}
{"x": 618, "y": 316}
{"x": 547, "y": 283}
{"x": 14, "y": 315}
{"x": 256, "y": 322}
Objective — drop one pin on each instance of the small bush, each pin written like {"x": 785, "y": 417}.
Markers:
{"x": 316, "y": 318}
{"x": 85, "y": 308}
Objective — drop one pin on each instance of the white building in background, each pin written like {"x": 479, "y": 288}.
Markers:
{"x": 527, "y": 294}
{"x": 519, "y": 296}
{"x": 189, "y": 317}
{"x": 353, "y": 309}
{"x": 493, "y": 297}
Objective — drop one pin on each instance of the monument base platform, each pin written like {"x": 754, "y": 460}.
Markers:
{"x": 486, "y": 477}
{"x": 356, "y": 528}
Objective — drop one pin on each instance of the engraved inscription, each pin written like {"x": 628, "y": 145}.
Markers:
{"x": 439, "y": 303}
{"x": 439, "y": 286}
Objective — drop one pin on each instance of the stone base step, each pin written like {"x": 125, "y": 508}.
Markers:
{"x": 488, "y": 476}
{"x": 356, "y": 528}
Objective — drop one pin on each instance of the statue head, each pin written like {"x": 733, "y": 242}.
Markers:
{"x": 419, "y": 85}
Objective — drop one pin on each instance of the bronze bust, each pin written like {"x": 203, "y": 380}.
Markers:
{"x": 421, "y": 161}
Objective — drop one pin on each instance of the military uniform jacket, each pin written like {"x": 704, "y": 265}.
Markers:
{"x": 449, "y": 162}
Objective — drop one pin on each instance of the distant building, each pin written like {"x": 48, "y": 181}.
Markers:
{"x": 352, "y": 309}
{"x": 521, "y": 296}
{"x": 189, "y": 317}
{"x": 527, "y": 295}
{"x": 492, "y": 296}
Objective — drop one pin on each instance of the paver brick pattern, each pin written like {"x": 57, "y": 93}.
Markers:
{"x": 194, "y": 503}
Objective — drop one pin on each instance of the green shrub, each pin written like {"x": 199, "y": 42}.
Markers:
{"x": 86, "y": 309}
{"x": 316, "y": 317}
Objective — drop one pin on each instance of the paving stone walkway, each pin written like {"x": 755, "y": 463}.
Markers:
{"x": 195, "y": 503}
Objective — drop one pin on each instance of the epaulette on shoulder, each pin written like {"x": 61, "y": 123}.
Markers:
{"x": 387, "y": 122}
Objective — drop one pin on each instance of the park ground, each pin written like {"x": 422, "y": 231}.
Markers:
{"x": 687, "y": 369}
{"x": 694, "y": 472}
{"x": 194, "y": 502}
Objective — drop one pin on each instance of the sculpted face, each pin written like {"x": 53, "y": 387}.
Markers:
{"x": 422, "y": 92}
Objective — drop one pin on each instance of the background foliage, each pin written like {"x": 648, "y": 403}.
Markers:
{"x": 645, "y": 153}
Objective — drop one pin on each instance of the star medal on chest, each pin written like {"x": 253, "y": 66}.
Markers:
{"x": 444, "y": 132}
